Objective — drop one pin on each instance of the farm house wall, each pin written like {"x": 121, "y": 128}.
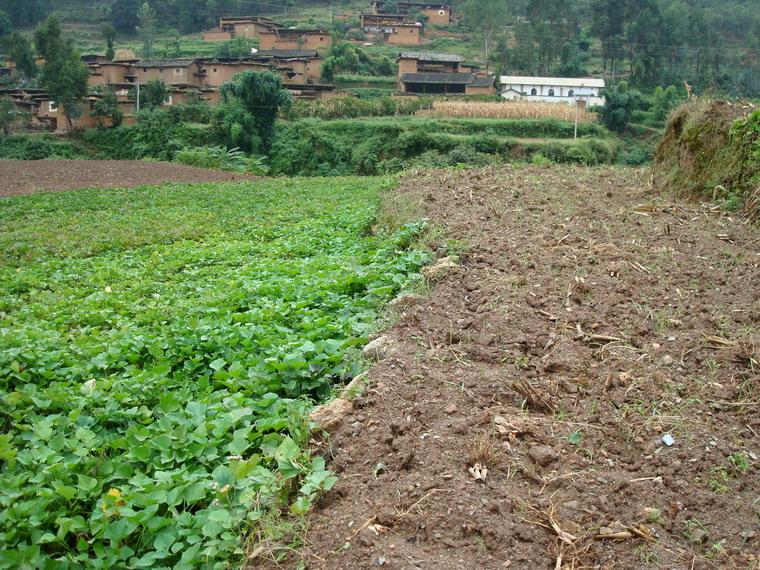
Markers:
{"x": 108, "y": 73}
{"x": 169, "y": 75}
{"x": 407, "y": 66}
{"x": 216, "y": 36}
{"x": 441, "y": 17}
{"x": 274, "y": 40}
{"x": 218, "y": 74}
{"x": 488, "y": 90}
{"x": 403, "y": 36}
{"x": 559, "y": 93}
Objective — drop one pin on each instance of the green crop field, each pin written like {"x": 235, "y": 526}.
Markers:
{"x": 160, "y": 349}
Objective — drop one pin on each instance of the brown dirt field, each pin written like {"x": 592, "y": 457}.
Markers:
{"x": 589, "y": 316}
{"x": 31, "y": 176}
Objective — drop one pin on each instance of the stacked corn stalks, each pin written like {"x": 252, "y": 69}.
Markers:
{"x": 505, "y": 110}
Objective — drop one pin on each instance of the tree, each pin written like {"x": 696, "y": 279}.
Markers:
{"x": 8, "y": 114}
{"x": 484, "y": 14}
{"x": 6, "y": 26}
{"x": 572, "y": 61}
{"x": 109, "y": 34}
{"x": 20, "y": 51}
{"x": 24, "y": 13}
{"x": 146, "y": 29}
{"x": 64, "y": 75}
{"x": 663, "y": 102}
{"x": 172, "y": 46}
{"x": 107, "y": 107}
{"x": 262, "y": 96}
{"x": 236, "y": 47}
{"x": 620, "y": 103}
{"x": 124, "y": 15}
{"x": 153, "y": 94}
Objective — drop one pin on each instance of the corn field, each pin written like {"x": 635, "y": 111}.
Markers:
{"x": 505, "y": 110}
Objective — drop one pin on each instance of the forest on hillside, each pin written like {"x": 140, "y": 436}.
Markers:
{"x": 713, "y": 45}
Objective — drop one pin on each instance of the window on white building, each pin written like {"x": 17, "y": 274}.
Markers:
{"x": 570, "y": 93}
{"x": 551, "y": 92}
{"x": 533, "y": 91}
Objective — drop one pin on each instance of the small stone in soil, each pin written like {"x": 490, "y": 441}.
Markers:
{"x": 543, "y": 455}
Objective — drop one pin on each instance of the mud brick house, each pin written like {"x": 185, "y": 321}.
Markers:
{"x": 240, "y": 26}
{"x": 436, "y": 14}
{"x": 218, "y": 71}
{"x": 295, "y": 65}
{"x": 395, "y": 29}
{"x": 109, "y": 72}
{"x": 295, "y": 38}
{"x": 441, "y": 74}
{"x": 170, "y": 71}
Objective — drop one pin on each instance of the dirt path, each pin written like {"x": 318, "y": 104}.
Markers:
{"x": 30, "y": 176}
{"x": 589, "y": 318}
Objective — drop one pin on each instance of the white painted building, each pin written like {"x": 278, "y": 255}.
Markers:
{"x": 553, "y": 89}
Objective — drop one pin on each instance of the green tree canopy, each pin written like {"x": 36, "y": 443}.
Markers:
{"x": 262, "y": 96}
{"x": 146, "y": 29}
{"x": 153, "y": 94}
{"x": 19, "y": 49}
{"x": 64, "y": 75}
{"x": 109, "y": 34}
{"x": 620, "y": 103}
{"x": 24, "y": 13}
{"x": 124, "y": 15}
{"x": 7, "y": 114}
{"x": 6, "y": 26}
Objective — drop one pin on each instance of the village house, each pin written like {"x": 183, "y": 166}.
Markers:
{"x": 109, "y": 72}
{"x": 295, "y": 65}
{"x": 240, "y": 26}
{"x": 426, "y": 73}
{"x": 295, "y": 38}
{"x": 170, "y": 71}
{"x": 394, "y": 29}
{"x": 567, "y": 90}
{"x": 218, "y": 71}
{"x": 436, "y": 14}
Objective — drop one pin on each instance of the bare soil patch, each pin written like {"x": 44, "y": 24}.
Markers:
{"x": 581, "y": 392}
{"x": 30, "y": 176}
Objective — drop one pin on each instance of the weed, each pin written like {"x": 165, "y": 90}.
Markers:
{"x": 647, "y": 555}
{"x": 716, "y": 550}
{"x": 739, "y": 462}
{"x": 482, "y": 451}
{"x": 719, "y": 480}
{"x": 654, "y": 516}
{"x": 691, "y": 525}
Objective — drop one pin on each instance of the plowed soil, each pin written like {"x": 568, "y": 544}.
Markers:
{"x": 597, "y": 350}
{"x": 30, "y": 176}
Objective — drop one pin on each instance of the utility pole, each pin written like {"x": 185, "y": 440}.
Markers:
{"x": 485, "y": 36}
{"x": 575, "y": 134}
{"x": 138, "y": 96}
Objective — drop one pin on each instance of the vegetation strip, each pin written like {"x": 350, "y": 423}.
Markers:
{"x": 161, "y": 348}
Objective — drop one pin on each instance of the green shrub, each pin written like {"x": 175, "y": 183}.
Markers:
{"x": 314, "y": 146}
{"x": 221, "y": 159}
{"x": 37, "y": 147}
{"x": 636, "y": 155}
